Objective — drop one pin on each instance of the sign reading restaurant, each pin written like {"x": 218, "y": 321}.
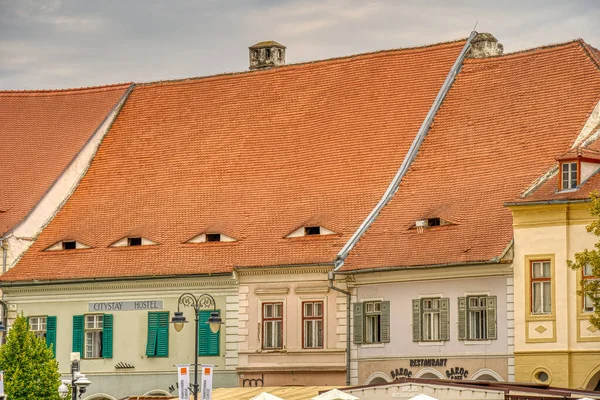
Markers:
{"x": 126, "y": 305}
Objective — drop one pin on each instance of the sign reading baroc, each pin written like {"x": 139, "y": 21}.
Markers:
{"x": 126, "y": 305}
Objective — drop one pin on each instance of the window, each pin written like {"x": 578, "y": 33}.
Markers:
{"x": 272, "y": 319}
{"x": 477, "y": 318}
{"x": 588, "y": 274}
{"x": 208, "y": 342}
{"x": 372, "y": 322}
{"x": 430, "y": 319}
{"x": 312, "y": 230}
{"x": 93, "y": 335}
{"x": 312, "y": 323}
{"x": 541, "y": 287}
{"x": 38, "y": 326}
{"x": 158, "y": 334}
{"x": 71, "y": 245}
{"x": 434, "y": 222}
{"x": 213, "y": 237}
{"x": 268, "y": 53}
{"x": 134, "y": 241}
{"x": 569, "y": 175}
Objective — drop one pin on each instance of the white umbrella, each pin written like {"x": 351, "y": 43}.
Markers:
{"x": 266, "y": 396}
{"x": 422, "y": 396}
{"x": 335, "y": 395}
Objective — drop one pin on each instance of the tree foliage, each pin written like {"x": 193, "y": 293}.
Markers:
{"x": 591, "y": 287}
{"x": 30, "y": 370}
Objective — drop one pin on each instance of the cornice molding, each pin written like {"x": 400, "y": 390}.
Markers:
{"x": 284, "y": 270}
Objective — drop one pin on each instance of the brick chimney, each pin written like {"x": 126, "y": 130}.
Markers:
{"x": 265, "y": 55}
{"x": 485, "y": 45}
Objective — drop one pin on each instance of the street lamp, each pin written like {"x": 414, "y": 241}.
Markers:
{"x": 204, "y": 301}
{"x": 78, "y": 382}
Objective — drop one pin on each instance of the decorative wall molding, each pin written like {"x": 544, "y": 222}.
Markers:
{"x": 312, "y": 289}
{"x": 274, "y": 290}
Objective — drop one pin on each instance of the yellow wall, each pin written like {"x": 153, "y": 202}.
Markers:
{"x": 563, "y": 343}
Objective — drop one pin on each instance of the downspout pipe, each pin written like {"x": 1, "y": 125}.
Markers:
{"x": 331, "y": 278}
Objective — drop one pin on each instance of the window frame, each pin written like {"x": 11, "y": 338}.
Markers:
{"x": 367, "y": 316}
{"x": 37, "y": 331}
{"x": 483, "y": 310}
{"x": 569, "y": 171}
{"x": 433, "y": 312}
{"x": 540, "y": 280}
{"x": 584, "y": 298}
{"x": 92, "y": 330}
{"x": 312, "y": 318}
{"x": 265, "y": 320}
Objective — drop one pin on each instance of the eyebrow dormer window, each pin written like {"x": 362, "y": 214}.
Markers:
{"x": 569, "y": 175}
{"x": 71, "y": 245}
{"x": 312, "y": 230}
{"x": 213, "y": 237}
{"x": 134, "y": 241}
{"x": 434, "y": 222}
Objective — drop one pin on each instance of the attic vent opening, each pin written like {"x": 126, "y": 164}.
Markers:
{"x": 213, "y": 237}
{"x": 312, "y": 230}
{"x": 134, "y": 241}
{"x": 71, "y": 245}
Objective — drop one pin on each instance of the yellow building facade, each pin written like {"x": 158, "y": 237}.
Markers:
{"x": 554, "y": 342}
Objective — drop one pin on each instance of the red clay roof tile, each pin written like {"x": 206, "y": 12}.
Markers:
{"x": 258, "y": 154}
{"x": 40, "y": 133}
{"x": 504, "y": 120}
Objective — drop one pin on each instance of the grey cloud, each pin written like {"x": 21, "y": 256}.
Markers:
{"x": 71, "y": 43}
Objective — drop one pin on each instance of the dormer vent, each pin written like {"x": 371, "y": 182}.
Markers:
{"x": 130, "y": 241}
{"x": 67, "y": 245}
{"x": 311, "y": 230}
{"x": 421, "y": 224}
{"x": 266, "y": 55}
{"x": 485, "y": 45}
{"x": 211, "y": 237}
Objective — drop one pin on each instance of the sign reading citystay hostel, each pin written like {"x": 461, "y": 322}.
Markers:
{"x": 183, "y": 380}
{"x": 206, "y": 382}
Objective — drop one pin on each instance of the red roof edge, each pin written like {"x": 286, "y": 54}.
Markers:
{"x": 60, "y": 92}
{"x": 591, "y": 52}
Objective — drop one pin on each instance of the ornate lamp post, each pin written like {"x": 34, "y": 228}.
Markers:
{"x": 204, "y": 301}
{"x": 78, "y": 382}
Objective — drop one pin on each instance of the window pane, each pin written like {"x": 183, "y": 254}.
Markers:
{"x": 535, "y": 269}
{"x": 319, "y": 333}
{"x": 278, "y": 310}
{"x": 369, "y": 307}
{"x": 278, "y": 334}
{"x": 268, "y": 334}
{"x": 587, "y": 270}
{"x": 537, "y": 298}
{"x": 308, "y": 309}
{"x": 377, "y": 307}
{"x": 547, "y": 297}
{"x": 268, "y": 311}
{"x": 308, "y": 334}
{"x": 588, "y": 304}
{"x": 547, "y": 272}
{"x": 436, "y": 326}
{"x": 318, "y": 309}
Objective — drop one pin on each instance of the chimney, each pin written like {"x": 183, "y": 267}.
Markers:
{"x": 265, "y": 55}
{"x": 485, "y": 45}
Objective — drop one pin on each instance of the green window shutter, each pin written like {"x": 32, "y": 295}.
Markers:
{"x": 51, "y": 333}
{"x": 358, "y": 322}
{"x": 462, "y": 318}
{"x": 152, "y": 334}
{"x": 416, "y": 309}
{"x": 491, "y": 318}
{"x": 162, "y": 340}
{"x": 78, "y": 334}
{"x": 445, "y": 319}
{"x": 385, "y": 321}
{"x": 107, "y": 336}
{"x": 208, "y": 342}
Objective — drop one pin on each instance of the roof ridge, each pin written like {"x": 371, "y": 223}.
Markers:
{"x": 58, "y": 92}
{"x": 589, "y": 50}
{"x": 346, "y": 58}
{"x": 526, "y": 52}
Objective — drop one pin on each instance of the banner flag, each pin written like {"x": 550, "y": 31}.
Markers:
{"x": 206, "y": 382}
{"x": 183, "y": 380}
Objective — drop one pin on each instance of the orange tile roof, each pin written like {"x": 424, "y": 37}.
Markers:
{"x": 254, "y": 156}
{"x": 503, "y": 121}
{"x": 40, "y": 133}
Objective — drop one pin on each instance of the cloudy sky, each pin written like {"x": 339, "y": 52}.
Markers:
{"x": 72, "y": 43}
